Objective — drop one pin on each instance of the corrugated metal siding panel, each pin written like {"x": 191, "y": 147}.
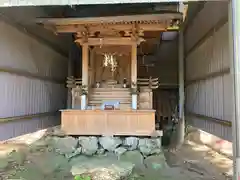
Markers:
{"x": 204, "y": 21}
{"x": 211, "y": 56}
{"x": 22, "y": 52}
{"x": 211, "y": 97}
{"x": 201, "y": 57}
{"x": 16, "y": 128}
{"x": 24, "y": 95}
{"x": 224, "y": 132}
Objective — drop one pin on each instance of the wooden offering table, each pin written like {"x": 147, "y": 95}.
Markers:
{"x": 108, "y": 122}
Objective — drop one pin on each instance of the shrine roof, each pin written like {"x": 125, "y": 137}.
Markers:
{"x": 128, "y": 19}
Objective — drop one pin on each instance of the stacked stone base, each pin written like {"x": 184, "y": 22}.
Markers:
{"x": 99, "y": 145}
{"x": 93, "y": 145}
{"x": 141, "y": 152}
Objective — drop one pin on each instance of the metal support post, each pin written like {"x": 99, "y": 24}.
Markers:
{"x": 234, "y": 45}
{"x": 181, "y": 123}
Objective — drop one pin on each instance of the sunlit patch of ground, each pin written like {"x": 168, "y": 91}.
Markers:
{"x": 201, "y": 160}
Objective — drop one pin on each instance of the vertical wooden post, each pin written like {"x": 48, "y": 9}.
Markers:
{"x": 134, "y": 63}
{"x": 91, "y": 80}
{"x": 134, "y": 73}
{"x": 85, "y": 59}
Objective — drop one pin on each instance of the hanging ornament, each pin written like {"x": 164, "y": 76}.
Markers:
{"x": 110, "y": 61}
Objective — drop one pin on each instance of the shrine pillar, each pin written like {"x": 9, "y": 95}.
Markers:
{"x": 134, "y": 75}
{"x": 85, "y": 59}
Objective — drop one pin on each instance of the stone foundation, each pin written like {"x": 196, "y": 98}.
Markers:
{"x": 100, "y": 145}
{"x": 92, "y": 145}
{"x": 88, "y": 153}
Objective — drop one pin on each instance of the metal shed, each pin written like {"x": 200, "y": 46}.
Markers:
{"x": 33, "y": 68}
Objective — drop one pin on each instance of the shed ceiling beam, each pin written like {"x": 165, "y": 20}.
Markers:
{"x": 10, "y": 3}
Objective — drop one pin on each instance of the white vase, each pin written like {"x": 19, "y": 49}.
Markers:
{"x": 134, "y": 101}
{"x": 83, "y": 102}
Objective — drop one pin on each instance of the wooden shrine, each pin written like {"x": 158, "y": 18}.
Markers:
{"x": 109, "y": 98}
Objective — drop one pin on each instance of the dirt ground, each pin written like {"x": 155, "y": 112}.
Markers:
{"x": 201, "y": 160}
{"x": 197, "y": 161}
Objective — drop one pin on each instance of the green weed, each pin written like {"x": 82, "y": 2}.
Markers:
{"x": 78, "y": 177}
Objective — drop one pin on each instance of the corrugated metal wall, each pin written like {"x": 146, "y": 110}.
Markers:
{"x": 209, "y": 95}
{"x": 32, "y": 83}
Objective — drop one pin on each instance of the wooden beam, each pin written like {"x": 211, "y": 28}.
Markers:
{"x": 123, "y": 50}
{"x": 212, "y": 119}
{"x": 29, "y": 116}
{"x": 111, "y": 27}
{"x": 110, "y": 19}
{"x": 109, "y": 41}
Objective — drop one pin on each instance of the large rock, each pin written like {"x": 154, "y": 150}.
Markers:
{"x": 111, "y": 155}
{"x": 65, "y": 145}
{"x": 103, "y": 169}
{"x": 120, "y": 150}
{"x": 110, "y": 143}
{"x": 39, "y": 145}
{"x": 100, "y": 151}
{"x": 150, "y": 146}
{"x": 57, "y": 131}
{"x": 131, "y": 143}
{"x": 89, "y": 145}
{"x": 134, "y": 157}
{"x": 156, "y": 162}
{"x": 75, "y": 153}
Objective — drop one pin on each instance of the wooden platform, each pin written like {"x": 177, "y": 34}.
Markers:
{"x": 108, "y": 122}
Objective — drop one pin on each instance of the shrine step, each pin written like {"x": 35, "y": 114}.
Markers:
{"x": 112, "y": 96}
{"x": 101, "y": 95}
{"x": 100, "y": 101}
{"x": 111, "y": 89}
